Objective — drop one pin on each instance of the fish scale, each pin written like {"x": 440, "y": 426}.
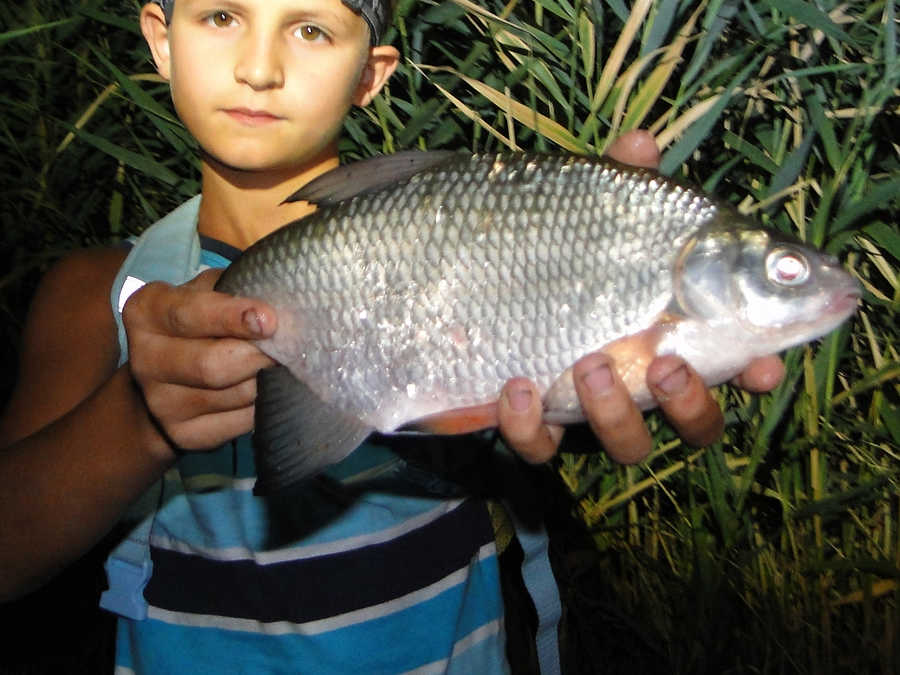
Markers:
{"x": 446, "y": 222}
{"x": 425, "y": 280}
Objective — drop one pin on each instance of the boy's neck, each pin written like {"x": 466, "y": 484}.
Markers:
{"x": 241, "y": 207}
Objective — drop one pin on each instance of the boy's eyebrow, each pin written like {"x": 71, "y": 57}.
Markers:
{"x": 375, "y": 12}
{"x": 320, "y": 13}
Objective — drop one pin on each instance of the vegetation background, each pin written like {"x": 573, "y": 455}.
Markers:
{"x": 776, "y": 550}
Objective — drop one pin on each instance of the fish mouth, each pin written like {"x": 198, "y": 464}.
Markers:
{"x": 845, "y": 304}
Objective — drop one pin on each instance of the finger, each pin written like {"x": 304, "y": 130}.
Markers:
{"x": 520, "y": 416}
{"x": 685, "y": 400}
{"x": 211, "y": 431}
{"x": 761, "y": 375}
{"x": 637, "y": 148}
{"x": 611, "y": 413}
{"x": 208, "y": 364}
{"x": 186, "y": 311}
{"x": 176, "y": 403}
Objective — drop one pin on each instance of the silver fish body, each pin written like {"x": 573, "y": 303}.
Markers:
{"x": 424, "y": 281}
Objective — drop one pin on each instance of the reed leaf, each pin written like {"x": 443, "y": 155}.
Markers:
{"x": 775, "y": 550}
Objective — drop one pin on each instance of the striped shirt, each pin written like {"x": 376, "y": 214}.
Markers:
{"x": 372, "y": 569}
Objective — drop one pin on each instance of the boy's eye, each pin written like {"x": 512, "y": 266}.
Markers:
{"x": 221, "y": 19}
{"x": 309, "y": 32}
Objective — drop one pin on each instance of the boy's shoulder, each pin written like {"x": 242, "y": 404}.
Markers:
{"x": 79, "y": 284}
{"x": 72, "y": 299}
{"x": 80, "y": 281}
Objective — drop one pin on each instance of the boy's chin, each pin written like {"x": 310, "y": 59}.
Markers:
{"x": 249, "y": 166}
{"x": 235, "y": 163}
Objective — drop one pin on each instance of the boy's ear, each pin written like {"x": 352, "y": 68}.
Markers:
{"x": 382, "y": 63}
{"x": 156, "y": 33}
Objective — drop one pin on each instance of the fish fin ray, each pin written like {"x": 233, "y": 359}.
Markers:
{"x": 369, "y": 175}
{"x": 297, "y": 434}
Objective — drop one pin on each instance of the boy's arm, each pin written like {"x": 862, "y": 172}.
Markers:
{"x": 79, "y": 444}
{"x": 612, "y": 415}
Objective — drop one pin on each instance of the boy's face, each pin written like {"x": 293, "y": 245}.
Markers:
{"x": 265, "y": 84}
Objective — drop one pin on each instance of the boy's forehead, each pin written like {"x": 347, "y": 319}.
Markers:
{"x": 375, "y": 12}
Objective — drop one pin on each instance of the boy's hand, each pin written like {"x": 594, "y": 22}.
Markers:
{"x": 189, "y": 354}
{"x": 612, "y": 415}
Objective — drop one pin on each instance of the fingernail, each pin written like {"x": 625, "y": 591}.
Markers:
{"x": 253, "y": 322}
{"x": 675, "y": 382}
{"x": 598, "y": 380}
{"x": 519, "y": 399}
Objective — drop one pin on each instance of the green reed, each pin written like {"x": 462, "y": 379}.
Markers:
{"x": 775, "y": 550}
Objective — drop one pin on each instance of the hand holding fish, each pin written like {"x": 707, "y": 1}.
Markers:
{"x": 612, "y": 414}
{"x": 189, "y": 352}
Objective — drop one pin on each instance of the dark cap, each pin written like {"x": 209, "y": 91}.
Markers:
{"x": 166, "y": 7}
{"x": 375, "y": 12}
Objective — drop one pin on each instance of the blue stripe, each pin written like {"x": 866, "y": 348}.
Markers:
{"x": 396, "y": 643}
{"x": 235, "y": 460}
{"x": 211, "y": 259}
{"x": 236, "y": 518}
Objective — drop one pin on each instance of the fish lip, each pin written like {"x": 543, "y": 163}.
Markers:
{"x": 845, "y": 304}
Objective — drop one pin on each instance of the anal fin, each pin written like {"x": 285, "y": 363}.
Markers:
{"x": 297, "y": 434}
{"x": 458, "y": 420}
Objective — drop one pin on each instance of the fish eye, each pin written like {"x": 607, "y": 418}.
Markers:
{"x": 787, "y": 267}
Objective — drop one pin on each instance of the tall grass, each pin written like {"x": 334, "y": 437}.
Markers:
{"x": 774, "y": 550}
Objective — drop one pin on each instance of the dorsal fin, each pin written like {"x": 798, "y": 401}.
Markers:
{"x": 368, "y": 175}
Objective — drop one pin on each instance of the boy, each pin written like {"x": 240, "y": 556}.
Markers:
{"x": 387, "y": 576}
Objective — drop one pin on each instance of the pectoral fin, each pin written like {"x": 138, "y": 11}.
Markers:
{"x": 297, "y": 434}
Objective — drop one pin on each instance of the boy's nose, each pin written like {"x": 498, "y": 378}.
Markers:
{"x": 259, "y": 64}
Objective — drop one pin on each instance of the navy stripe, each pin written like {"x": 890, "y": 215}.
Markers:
{"x": 227, "y": 251}
{"x": 325, "y": 586}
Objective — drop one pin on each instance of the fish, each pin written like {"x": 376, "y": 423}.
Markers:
{"x": 424, "y": 281}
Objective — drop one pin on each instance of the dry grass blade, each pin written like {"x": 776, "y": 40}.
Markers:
{"x": 522, "y": 113}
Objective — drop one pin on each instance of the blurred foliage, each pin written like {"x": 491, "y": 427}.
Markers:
{"x": 775, "y": 550}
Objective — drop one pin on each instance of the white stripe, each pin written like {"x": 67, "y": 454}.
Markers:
{"x": 129, "y": 286}
{"x": 122, "y": 670}
{"x": 476, "y": 636}
{"x": 236, "y": 553}
{"x": 436, "y": 668}
{"x": 216, "y": 481}
{"x": 321, "y": 625}
{"x": 207, "y": 482}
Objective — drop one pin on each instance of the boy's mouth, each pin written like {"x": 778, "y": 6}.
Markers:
{"x": 252, "y": 118}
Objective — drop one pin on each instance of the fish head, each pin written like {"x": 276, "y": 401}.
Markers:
{"x": 778, "y": 290}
